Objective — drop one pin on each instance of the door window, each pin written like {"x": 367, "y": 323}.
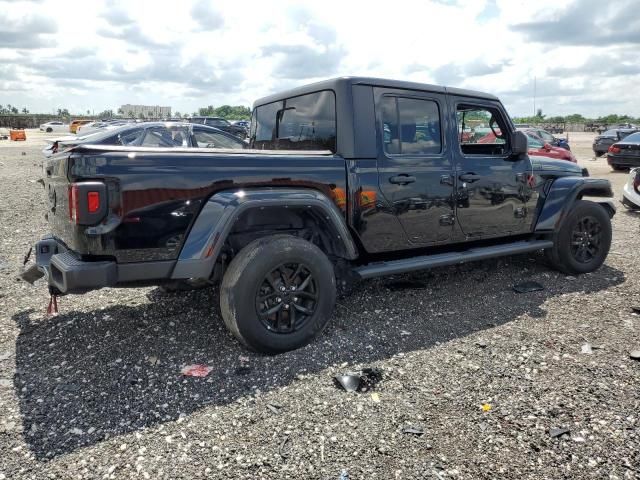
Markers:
{"x": 215, "y": 140}
{"x": 166, "y": 137}
{"x": 481, "y": 130}
{"x": 410, "y": 126}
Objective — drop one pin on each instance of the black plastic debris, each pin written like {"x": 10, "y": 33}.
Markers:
{"x": 243, "y": 370}
{"x": 413, "y": 430}
{"x": 405, "y": 285}
{"x": 362, "y": 381}
{"x": 526, "y": 287}
{"x": 558, "y": 432}
{"x": 636, "y": 309}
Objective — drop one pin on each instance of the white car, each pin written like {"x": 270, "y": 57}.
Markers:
{"x": 54, "y": 126}
{"x": 631, "y": 191}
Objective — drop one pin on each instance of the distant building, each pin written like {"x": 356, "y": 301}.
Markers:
{"x": 148, "y": 111}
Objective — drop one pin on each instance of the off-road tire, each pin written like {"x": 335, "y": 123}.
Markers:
{"x": 244, "y": 282}
{"x": 563, "y": 257}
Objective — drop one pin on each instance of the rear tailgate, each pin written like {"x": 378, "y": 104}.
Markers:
{"x": 73, "y": 205}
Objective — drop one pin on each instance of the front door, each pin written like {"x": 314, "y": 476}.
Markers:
{"x": 414, "y": 169}
{"x": 494, "y": 189}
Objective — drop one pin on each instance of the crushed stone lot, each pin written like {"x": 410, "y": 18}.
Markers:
{"x": 478, "y": 381}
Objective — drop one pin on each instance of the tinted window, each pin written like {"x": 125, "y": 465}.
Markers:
{"x": 131, "y": 137}
{"x": 410, "y": 126}
{"x": 534, "y": 142}
{"x": 215, "y": 140}
{"x": 166, "y": 137}
{"x": 610, "y": 133}
{"x": 634, "y": 137}
{"x": 481, "y": 130}
{"x": 307, "y": 122}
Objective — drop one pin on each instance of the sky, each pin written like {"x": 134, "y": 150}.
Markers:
{"x": 94, "y": 55}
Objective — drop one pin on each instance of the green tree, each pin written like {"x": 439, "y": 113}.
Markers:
{"x": 24, "y": 110}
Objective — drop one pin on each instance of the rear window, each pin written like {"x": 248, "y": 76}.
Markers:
{"x": 307, "y": 122}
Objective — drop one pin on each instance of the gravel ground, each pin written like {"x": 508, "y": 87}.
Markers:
{"x": 485, "y": 374}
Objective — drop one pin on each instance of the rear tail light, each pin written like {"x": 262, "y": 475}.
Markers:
{"x": 87, "y": 202}
{"x": 93, "y": 201}
{"x": 614, "y": 149}
{"x": 73, "y": 203}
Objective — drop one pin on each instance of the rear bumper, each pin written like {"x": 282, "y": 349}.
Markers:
{"x": 67, "y": 272}
{"x": 622, "y": 161}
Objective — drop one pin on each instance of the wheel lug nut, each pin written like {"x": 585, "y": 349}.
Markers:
{"x": 295, "y": 299}
{"x": 286, "y": 306}
{"x": 278, "y": 299}
{"x": 293, "y": 288}
{"x": 282, "y": 288}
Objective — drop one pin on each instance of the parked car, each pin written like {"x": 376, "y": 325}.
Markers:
{"x": 603, "y": 141}
{"x": 549, "y": 138}
{"x": 54, "y": 126}
{"x": 73, "y": 126}
{"x": 536, "y": 146}
{"x": 625, "y": 153}
{"x": 151, "y": 134}
{"x": 100, "y": 125}
{"x": 221, "y": 124}
{"x": 283, "y": 226}
{"x": 631, "y": 191}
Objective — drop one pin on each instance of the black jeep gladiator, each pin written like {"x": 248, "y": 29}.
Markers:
{"x": 346, "y": 179}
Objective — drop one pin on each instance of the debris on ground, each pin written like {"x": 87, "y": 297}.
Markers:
{"x": 636, "y": 309}
{"x": 558, "y": 432}
{"x": 526, "y": 287}
{"x": 274, "y": 407}
{"x": 635, "y": 354}
{"x": 196, "y": 370}
{"x": 375, "y": 397}
{"x": 363, "y": 381}
{"x": 413, "y": 430}
{"x": 587, "y": 349}
{"x": 486, "y": 407}
{"x": 343, "y": 475}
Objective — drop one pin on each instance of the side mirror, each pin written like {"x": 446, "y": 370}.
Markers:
{"x": 518, "y": 143}
{"x": 547, "y": 147}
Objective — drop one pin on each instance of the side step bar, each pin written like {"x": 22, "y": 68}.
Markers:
{"x": 452, "y": 258}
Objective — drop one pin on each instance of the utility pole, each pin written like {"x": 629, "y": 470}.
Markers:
{"x": 534, "y": 95}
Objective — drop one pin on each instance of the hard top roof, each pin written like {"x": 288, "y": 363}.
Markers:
{"x": 336, "y": 83}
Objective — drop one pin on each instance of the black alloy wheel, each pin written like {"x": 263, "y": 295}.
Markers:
{"x": 582, "y": 242}
{"x": 586, "y": 239}
{"x": 278, "y": 293}
{"x": 287, "y": 298}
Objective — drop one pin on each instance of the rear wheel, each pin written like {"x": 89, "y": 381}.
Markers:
{"x": 49, "y": 129}
{"x": 584, "y": 239}
{"x": 278, "y": 293}
{"x": 618, "y": 167}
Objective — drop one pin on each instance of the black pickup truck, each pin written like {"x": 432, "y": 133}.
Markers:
{"x": 346, "y": 179}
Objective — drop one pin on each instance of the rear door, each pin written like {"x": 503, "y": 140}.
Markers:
{"x": 494, "y": 189}
{"x": 414, "y": 167}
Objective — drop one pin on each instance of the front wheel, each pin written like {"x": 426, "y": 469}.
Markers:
{"x": 49, "y": 130}
{"x": 583, "y": 241}
{"x": 278, "y": 293}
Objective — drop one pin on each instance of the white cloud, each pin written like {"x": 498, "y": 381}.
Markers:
{"x": 100, "y": 54}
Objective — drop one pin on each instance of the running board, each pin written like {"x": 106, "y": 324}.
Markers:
{"x": 452, "y": 258}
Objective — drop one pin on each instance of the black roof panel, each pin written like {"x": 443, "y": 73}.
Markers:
{"x": 335, "y": 83}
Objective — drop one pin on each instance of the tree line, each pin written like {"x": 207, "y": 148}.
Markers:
{"x": 611, "y": 119}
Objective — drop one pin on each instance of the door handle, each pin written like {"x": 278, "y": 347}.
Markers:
{"x": 470, "y": 177}
{"x": 402, "y": 179}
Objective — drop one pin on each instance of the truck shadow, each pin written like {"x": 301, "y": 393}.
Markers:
{"x": 82, "y": 377}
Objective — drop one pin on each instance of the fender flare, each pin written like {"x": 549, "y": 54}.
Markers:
{"x": 562, "y": 195}
{"x": 216, "y": 219}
